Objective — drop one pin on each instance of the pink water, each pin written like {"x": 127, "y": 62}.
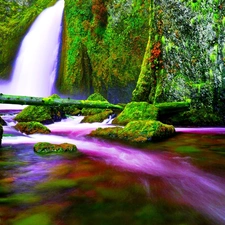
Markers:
{"x": 178, "y": 180}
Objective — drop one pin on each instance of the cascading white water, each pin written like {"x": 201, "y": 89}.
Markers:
{"x": 36, "y": 63}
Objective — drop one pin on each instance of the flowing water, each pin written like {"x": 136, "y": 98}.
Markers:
{"x": 177, "y": 181}
{"x": 36, "y": 63}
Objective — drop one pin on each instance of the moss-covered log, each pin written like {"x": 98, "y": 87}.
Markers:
{"x": 172, "y": 107}
{"x": 27, "y": 100}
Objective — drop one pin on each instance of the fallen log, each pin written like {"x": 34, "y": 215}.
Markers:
{"x": 27, "y": 100}
{"x": 172, "y": 107}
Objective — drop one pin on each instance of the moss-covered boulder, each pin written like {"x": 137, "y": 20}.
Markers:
{"x": 43, "y": 114}
{"x": 137, "y": 131}
{"x": 94, "y": 97}
{"x": 99, "y": 117}
{"x": 32, "y": 128}
{"x": 71, "y": 110}
{"x": 136, "y": 111}
{"x": 45, "y": 147}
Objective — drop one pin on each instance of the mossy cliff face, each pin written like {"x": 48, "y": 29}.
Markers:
{"x": 185, "y": 55}
{"x": 15, "y": 19}
{"x": 103, "y": 46}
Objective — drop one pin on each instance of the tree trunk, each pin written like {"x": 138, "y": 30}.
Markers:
{"x": 27, "y": 100}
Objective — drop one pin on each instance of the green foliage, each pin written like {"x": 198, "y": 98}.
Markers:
{"x": 109, "y": 41}
{"x": 192, "y": 38}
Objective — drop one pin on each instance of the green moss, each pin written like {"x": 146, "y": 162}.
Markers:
{"x": 136, "y": 111}
{"x": 32, "y": 128}
{"x": 192, "y": 53}
{"x": 196, "y": 117}
{"x": 99, "y": 117}
{"x": 99, "y": 38}
{"x": 45, "y": 148}
{"x": 94, "y": 97}
{"x": 137, "y": 131}
{"x": 44, "y": 114}
{"x": 34, "y": 113}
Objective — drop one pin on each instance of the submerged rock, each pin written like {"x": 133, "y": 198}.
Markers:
{"x": 137, "y": 131}
{"x": 45, "y": 147}
{"x": 136, "y": 111}
{"x": 32, "y": 128}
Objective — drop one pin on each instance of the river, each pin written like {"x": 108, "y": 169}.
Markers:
{"x": 177, "y": 181}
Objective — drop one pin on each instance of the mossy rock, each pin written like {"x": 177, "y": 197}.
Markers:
{"x": 32, "y": 128}
{"x": 71, "y": 110}
{"x": 137, "y": 131}
{"x": 43, "y": 114}
{"x": 99, "y": 117}
{"x": 45, "y": 147}
{"x": 94, "y": 97}
{"x": 136, "y": 111}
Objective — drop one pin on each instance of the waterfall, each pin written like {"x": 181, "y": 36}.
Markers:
{"x": 36, "y": 62}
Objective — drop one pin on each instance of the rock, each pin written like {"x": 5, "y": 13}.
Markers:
{"x": 136, "y": 111}
{"x": 137, "y": 131}
{"x": 32, "y": 128}
{"x": 71, "y": 110}
{"x": 2, "y": 122}
{"x": 95, "y": 115}
{"x": 93, "y": 97}
{"x": 1, "y": 134}
{"x": 43, "y": 114}
{"x": 45, "y": 147}
{"x": 99, "y": 117}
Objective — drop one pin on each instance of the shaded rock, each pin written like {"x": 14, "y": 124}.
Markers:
{"x": 99, "y": 117}
{"x": 45, "y": 147}
{"x": 71, "y": 110}
{"x": 136, "y": 111}
{"x": 32, "y": 128}
{"x": 137, "y": 131}
{"x": 2, "y": 122}
{"x": 43, "y": 114}
{"x": 94, "y": 97}
{"x": 1, "y": 134}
